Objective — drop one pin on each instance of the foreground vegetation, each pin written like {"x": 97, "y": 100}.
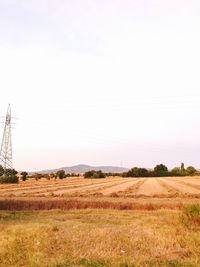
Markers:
{"x": 99, "y": 238}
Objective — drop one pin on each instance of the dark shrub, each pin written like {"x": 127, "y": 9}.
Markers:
{"x": 94, "y": 174}
{"x": 1, "y": 170}
{"x": 12, "y": 179}
{"x": 24, "y": 176}
{"x": 60, "y": 174}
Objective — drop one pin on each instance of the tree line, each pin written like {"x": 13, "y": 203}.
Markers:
{"x": 12, "y": 176}
{"x": 160, "y": 170}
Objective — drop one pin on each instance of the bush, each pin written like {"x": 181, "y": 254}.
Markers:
{"x": 9, "y": 179}
{"x": 94, "y": 174}
{"x": 38, "y": 176}
{"x": 24, "y": 176}
{"x": 60, "y": 174}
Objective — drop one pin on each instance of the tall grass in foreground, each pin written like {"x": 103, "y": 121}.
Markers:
{"x": 98, "y": 238}
{"x": 191, "y": 215}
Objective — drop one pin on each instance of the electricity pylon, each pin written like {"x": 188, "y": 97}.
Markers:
{"x": 6, "y": 145}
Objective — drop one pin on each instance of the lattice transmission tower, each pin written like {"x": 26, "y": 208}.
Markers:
{"x": 6, "y": 145}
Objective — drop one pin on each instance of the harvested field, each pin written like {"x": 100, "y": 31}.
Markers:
{"x": 112, "y": 222}
{"x": 181, "y": 187}
{"x": 122, "y": 187}
{"x": 190, "y": 182}
{"x": 89, "y": 188}
{"x": 151, "y": 187}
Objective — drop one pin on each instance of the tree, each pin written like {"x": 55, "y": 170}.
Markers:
{"x": 182, "y": 166}
{"x": 89, "y": 174}
{"x": 176, "y": 171}
{"x": 99, "y": 174}
{"x": 161, "y": 168}
{"x": 24, "y": 176}
{"x": 191, "y": 170}
{"x": 138, "y": 172}
{"x": 10, "y": 172}
{"x": 60, "y": 174}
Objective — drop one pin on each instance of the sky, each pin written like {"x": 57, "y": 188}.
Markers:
{"x": 110, "y": 82}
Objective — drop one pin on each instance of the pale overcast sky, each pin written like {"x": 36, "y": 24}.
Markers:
{"x": 110, "y": 82}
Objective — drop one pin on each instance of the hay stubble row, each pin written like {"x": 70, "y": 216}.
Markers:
{"x": 106, "y": 187}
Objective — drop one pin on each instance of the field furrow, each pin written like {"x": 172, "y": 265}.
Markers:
{"x": 120, "y": 187}
{"x": 181, "y": 188}
{"x": 49, "y": 189}
{"x": 189, "y": 182}
{"x": 151, "y": 187}
{"x": 88, "y": 188}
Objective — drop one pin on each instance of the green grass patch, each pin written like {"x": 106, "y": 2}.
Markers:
{"x": 102, "y": 263}
{"x": 11, "y": 216}
{"x": 191, "y": 215}
{"x": 167, "y": 263}
{"x": 84, "y": 263}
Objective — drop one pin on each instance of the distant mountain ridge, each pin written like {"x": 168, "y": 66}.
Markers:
{"x": 84, "y": 168}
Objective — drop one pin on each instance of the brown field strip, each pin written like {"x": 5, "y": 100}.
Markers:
{"x": 99, "y": 201}
{"x": 84, "y": 203}
{"x": 151, "y": 187}
{"x": 181, "y": 188}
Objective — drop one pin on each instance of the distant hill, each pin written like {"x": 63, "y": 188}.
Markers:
{"x": 84, "y": 168}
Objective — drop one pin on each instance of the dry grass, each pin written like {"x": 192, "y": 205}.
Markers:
{"x": 97, "y": 238}
{"x": 74, "y": 203}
